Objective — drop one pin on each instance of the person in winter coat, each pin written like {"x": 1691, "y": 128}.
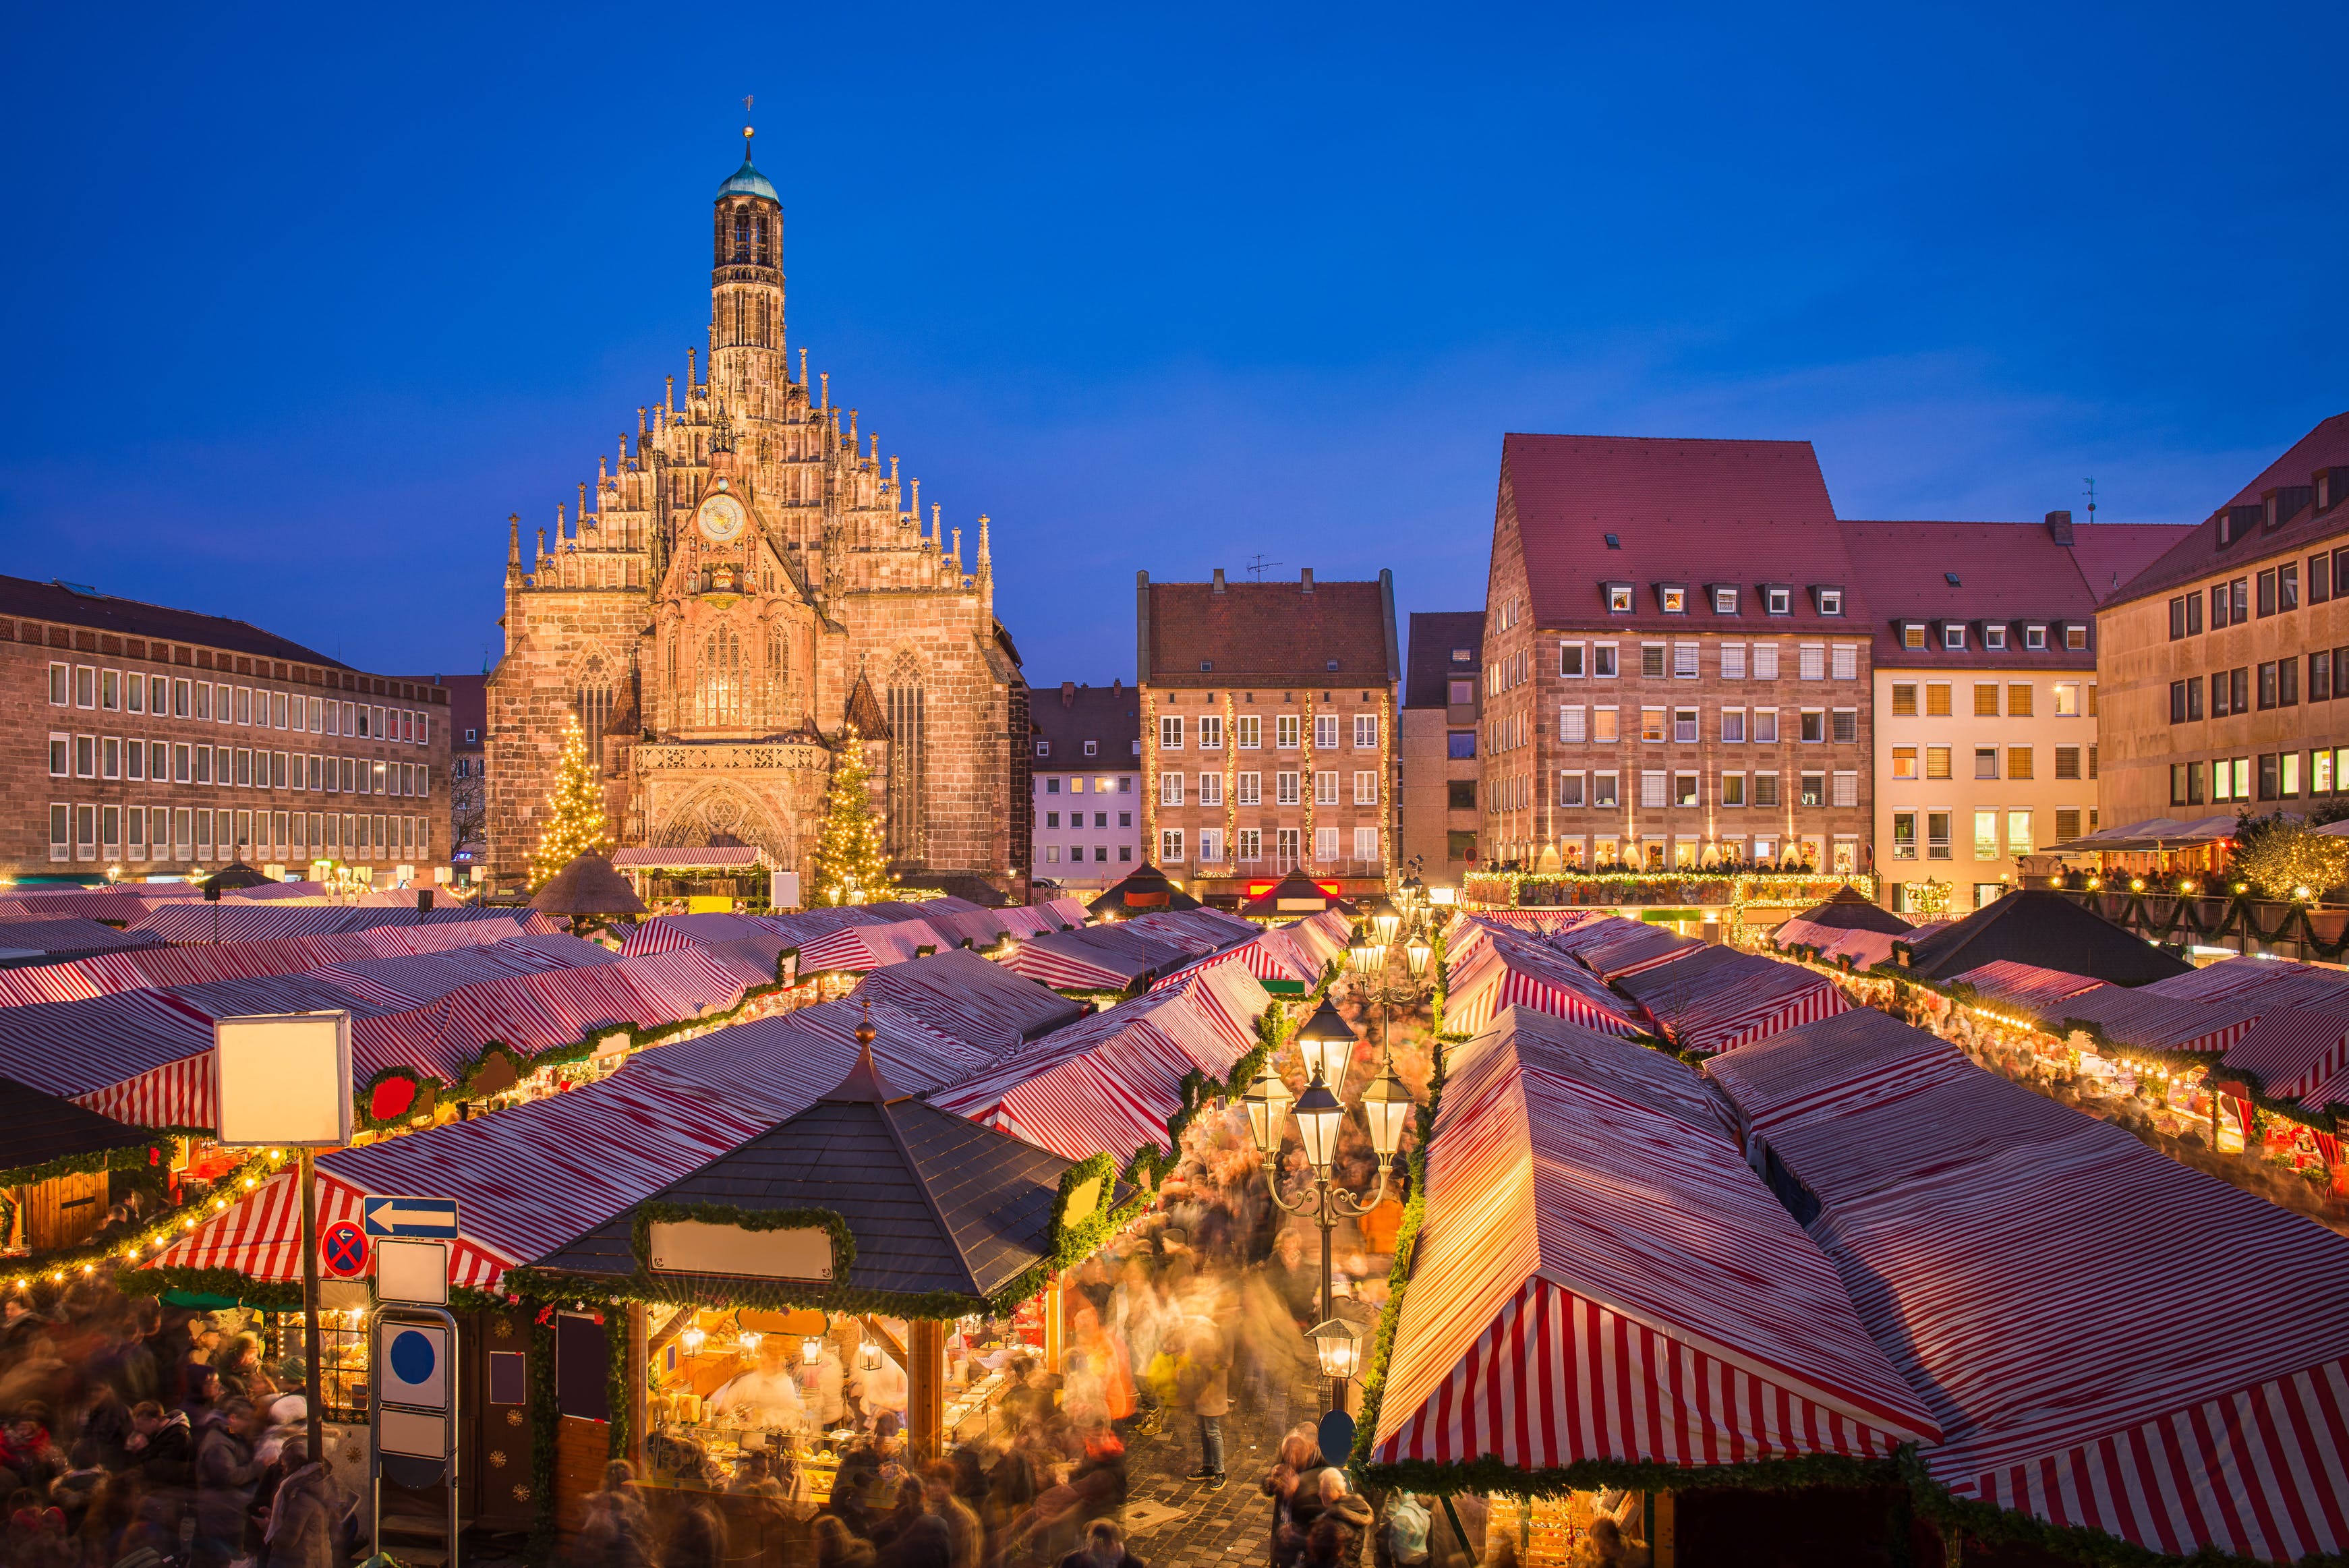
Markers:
{"x": 619, "y": 1530}
{"x": 299, "y": 1530}
{"x": 225, "y": 1472}
{"x": 1207, "y": 1389}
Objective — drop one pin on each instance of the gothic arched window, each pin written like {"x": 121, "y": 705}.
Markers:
{"x": 906, "y": 761}
{"x": 741, "y": 234}
{"x": 722, "y": 693}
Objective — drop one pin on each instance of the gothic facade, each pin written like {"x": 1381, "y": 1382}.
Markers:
{"x": 752, "y": 585}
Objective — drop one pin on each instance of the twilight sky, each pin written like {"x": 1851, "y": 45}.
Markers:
{"x": 303, "y": 302}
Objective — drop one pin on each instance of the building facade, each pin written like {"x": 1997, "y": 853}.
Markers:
{"x": 754, "y": 587}
{"x": 1086, "y": 766}
{"x": 1269, "y": 732}
{"x": 1443, "y": 711}
{"x": 2221, "y": 661}
{"x": 1676, "y": 659}
{"x": 1985, "y": 692}
{"x": 167, "y": 743}
{"x": 469, "y": 783}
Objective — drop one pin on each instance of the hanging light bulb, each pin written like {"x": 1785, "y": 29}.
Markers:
{"x": 751, "y": 1340}
{"x": 869, "y": 1357}
{"x": 691, "y": 1339}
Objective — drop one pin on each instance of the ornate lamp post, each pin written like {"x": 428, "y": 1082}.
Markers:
{"x": 1326, "y": 1043}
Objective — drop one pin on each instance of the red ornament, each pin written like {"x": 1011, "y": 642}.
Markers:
{"x": 391, "y": 1098}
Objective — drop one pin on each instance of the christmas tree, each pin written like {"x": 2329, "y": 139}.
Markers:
{"x": 851, "y": 864}
{"x": 575, "y": 822}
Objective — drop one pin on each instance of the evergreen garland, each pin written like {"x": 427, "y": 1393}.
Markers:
{"x": 851, "y": 863}
{"x": 575, "y": 822}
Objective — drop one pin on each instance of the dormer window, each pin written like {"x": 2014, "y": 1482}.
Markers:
{"x": 1463, "y": 656}
{"x": 1673, "y": 598}
{"x": 1993, "y": 638}
{"x": 1092, "y": 747}
{"x": 2034, "y": 638}
{"x": 1778, "y": 599}
{"x": 1954, "y": 636}
{"x": 1206, "y": 665}
{"x": 1618, "y": 598}
{"x": 1829, "y": 600}
{"x": 1912, "y": 634}
{"x": 1043, "y": 749}
{"x": 2076, "y": 636}
{"x": 1724, "y": 601}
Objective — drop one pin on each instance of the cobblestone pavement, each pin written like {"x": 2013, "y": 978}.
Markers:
{"x": 1226, "y": 1529}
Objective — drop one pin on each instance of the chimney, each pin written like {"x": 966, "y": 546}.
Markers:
{"x": 1068, "y": 693}
{"x": 2059, "y": 527}
{"x": 1308, "y": 579}
{"x": 1220, "y": 579}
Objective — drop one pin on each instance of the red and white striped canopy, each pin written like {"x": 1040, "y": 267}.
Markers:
{"x": 1097, "y": 958}
{"x": 1721, "y": 998}
{"x": 969, "y": 998}
{"x": 183, "y": 920}
{"x": 773, "y": 1069}
{"x": 153, "y": 966}
{"x": 1601, "y": 1277}
{"x": 1504, "y": 970}
{"x": 855, "y": 949}
{"x": 2290, "y": 1055}
{"x": 2026, "y": 987}
{"x": 2109, "y": 1338}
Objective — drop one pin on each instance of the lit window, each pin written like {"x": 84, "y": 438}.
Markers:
{"x": 1618, "y": 598}
{"x": 1674, "y": 599}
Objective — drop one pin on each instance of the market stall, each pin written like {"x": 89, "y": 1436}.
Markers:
{"x": 1502, "y": 969}
{"x": 1721, "y": 998}
{"x": 56, "y": 1186}
{"x": 969, "y": 998}
{"x": 1606, "y": 1306}
{"x": 917, "y": 1231}
{"x": 1099, "y": 958}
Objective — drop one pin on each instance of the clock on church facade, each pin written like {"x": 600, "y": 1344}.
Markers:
{"x": 751, "y": 587}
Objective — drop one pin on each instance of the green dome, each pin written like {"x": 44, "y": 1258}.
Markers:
{"x": 748, "y": 181}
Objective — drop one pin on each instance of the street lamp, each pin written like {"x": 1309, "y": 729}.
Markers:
{"x": 1328, "y": 1044}
{"x": 1385, "y": 919}
{"x": 1416, "y": 952}
{"x": 1338, "y": 1346}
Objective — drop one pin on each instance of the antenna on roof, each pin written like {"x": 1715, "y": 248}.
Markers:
{"x": 2091, "y": 483}
{"x": 1260, "y": 566}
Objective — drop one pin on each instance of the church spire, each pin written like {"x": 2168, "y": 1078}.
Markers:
{"x": 513, "y": 546}
{"x": 985, "y": 557}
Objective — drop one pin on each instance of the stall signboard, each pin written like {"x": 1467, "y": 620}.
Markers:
{"x": 284, "y": 1080}
{"x": 697, "y": 1246}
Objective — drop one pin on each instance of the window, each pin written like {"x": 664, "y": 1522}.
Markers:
{"x": 1904, "y": 762}
{"x": 1248, "y": 732}
{"x": 1912, "y": 634}
{"x": 1673, "y": 598}
{"x": 1170, "y": 789}
{"x": 1251, "y": 844}
{"x": 1812, "y": 660}
{"x": 2266, "y": 594}
{"x": 1569, "y": 663}
{"x": 2018, "y": 833}
{"x": 1651, "y": 788}
{"x": 2034, "y": 638}
{"x": 1247, "y": 789}
{"x": 1211, "y": 793}
{"x": 2067, "y": 823}
{"x": 1325, "y": 731}
{"x": 1844, "y": 662}
{"x": 1325, "y": 844}
{"x": 1051, "y": 854}
{"x": 2288, "y": 587}
{"x": 1324, "y": 787}
{"x": 1684, "y": 727}
{"x": 1211, "y": 734}
{"x": 1778, "y": 601}
{"x": 2319, "y": 676}
{"x": 2268, "y": 685}
{"x": 1937, "y": 700}
{"x": 1985, "y": 699}
{"x": 57, "y": 685}
{"x": 1733, "y": 788}
{"x": 109, "y": 690}
{"x": 1985, "y": 761}
{"x": 1461, "y": 693}
{"x": 1845, "y": 788}
{"x": 1366, "y": 787}
{"x": 1284, "y": 788}
{"x": 2018, "y": 762}
{"x": 1815, "y": 789}
{"x": 1830, "y": 600}
{"x": 1733, "y": 725}
{"x": 1904, "y": 835}
{"x": 1766, "y": 661}
{"x": 1937, "y": 835}
{"x": 1366, "y": 732}
{"x": 1813, "y": 727}
{"x": 1570, "y": 788}
{"x": 1092, "y": 747}
{"x": 1985, "y": 835}
{"x": 2068, "y": 762}
{"x": 1170, "y": 846}
{"x": 1606, "y": 726}
{"x": 1211, "y": 846}
{"x": 1953, "y": 636}
{"x": 1904, "y": 699}
{"x": 1366, "y": 844}
{"x": 2320, "y": 579}
{"x": 2075, "y": 636}
{"x": 1843, "y": 724}
{"x": 1618, "y": 598}
{"x": 2288, "y": 683}
{"x": 1765, "y": 726}
{"x": 85, "y": 686}
{"x": 1460, "y": 743}
{"x": 1570, "y": 724}
{"x": 84, "y": 757}
{"x": 1170, "y": 732}
{"x": 1733, "y": 660}
{"x": 1284, "y": 731}
{"x": 1051, "y": 786}
{"x": 1684, "y": 789}
{"x": 2288, "y": 782}
{"x": 60, "y": 751}
{"x": 1651, "y": 661}
{"x": 1724, "y": 601}
{"x": 1652, "y": 724}
{"x": 1766, "y": 789}
{"x": 1606, "y": 789}
{"x": 1994, "y": 638}
{"x": 2017, "y": 700}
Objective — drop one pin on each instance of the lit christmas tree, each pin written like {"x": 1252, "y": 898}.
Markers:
{"x": 575, "y": 822}
{"x": 851, "y": 864}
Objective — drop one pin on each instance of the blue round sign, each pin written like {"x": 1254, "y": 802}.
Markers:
{"x": 412, "y": 1357}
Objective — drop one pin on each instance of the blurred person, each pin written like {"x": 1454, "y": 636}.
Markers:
{"x": 696, "y": 1536}
{"x": 299, "y": 1523}
{"x": 225, "y": 1472}
{"x": 966, "y": 1540}
{"x": 1207, "y": 1393}
{"x": 1104, "y": 1547}
{"x": 1345, "y": 1508}
{"x": 28, "y": 1456}
{"x": 836, "y": 1546}
{"x": 617, "y": 1531}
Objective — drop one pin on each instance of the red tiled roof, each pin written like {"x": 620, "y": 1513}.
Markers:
{"x": 2110, "y": 555}
{"x": 1270, "y": 631}
{"x": 1692, "y": 511}
{"x": 2199, "y": 553}
{"x": 2005, "y": 571}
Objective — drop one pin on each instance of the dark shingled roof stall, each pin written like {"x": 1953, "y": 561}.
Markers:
{"x": 2043, "y": 928}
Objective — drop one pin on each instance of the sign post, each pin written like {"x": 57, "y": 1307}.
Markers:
{"x": 284, "y": 1080}
{"x": 413, "y": 1434}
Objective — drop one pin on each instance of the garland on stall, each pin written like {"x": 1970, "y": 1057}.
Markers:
{"x": 545, "y": 1426}
{"x": 152, "y": 1235}
{"x": 1739, "y": 890}
{"x": 137, "y": 1156}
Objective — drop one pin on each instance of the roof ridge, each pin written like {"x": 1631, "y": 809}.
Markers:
{"x": 922, "y": 1185}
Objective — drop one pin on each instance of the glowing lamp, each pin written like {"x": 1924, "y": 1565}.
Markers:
{"x": 1319, "y": 1117}
{"x": 1338, "y": 1346}
{"x": 870, "y": 1356}
{"x": 1385, "y": 920}
{"x": 1386, "y": 1107}
{"x": 1417, "y": 953}
{"x": 1326, "y": 1043}
{"x": 1365, "y": 957}
{"x": 691, "y": 1339}
{"x": 1266, "y": 1103}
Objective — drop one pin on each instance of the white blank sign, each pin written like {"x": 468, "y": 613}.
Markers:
{"x": 694, "y": 1246}
{"x": 412, "y": 1432}
{"x": 415, "y": 1272}
{"x": 284, "y": 1078}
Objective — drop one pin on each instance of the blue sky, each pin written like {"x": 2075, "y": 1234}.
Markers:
{"x": 304, "y": 302}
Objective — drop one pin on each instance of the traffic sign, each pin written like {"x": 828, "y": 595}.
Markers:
{"x": 415, "y": 1365}
{"x": 344, "y": 1250}
{"x": 410, "y": 1216}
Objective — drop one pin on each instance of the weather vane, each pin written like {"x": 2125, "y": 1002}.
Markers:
{"x": 747, "y": 128}
{"x": 1258, "y": 566}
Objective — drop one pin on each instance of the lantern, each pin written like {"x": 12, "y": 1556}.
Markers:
{"x": 1318, "y": 1116}
{"x": 1365, "y": 957}
{"x": 1385, "y": 920}
{"x": 1386, "y": 1106}
{"x": 1417, "y": 953}
{"x": 869, "y": 1357}
{"x": 1339, "y": 1344}
{"x": 1326, "y": 1043}
{"x": 1266, "y": 1102}
{"x": 691, "y": 1339}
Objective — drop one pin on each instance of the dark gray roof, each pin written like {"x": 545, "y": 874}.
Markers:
{"x": 2041, "y": 927}
{"x": 36, "y": 1128}
{"x": 1435, "y": 636}
{"x": 936, "y": 1204}
{"x": 103, "y": 612}
{"x": 945, "y": 988}
{"x": 1066, "y": 716}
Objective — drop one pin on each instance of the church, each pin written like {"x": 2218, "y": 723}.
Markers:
{"x": 752, "y": 588}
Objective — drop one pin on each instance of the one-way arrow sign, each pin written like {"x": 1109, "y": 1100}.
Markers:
{"x": 409, "y": 1216}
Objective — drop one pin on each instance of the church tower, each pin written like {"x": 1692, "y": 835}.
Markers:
{"x": 747, "y": 374}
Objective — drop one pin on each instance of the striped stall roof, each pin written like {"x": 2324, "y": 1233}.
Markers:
{"x": 2133, "y": 1020}
{"x": 1504, "y": 970}
{"x": 970, "y": 999}
{"x": 525, "y": 1179}
{"x": 667, "y": 933}
{"x": 1196, "y": 931}
{"x": 2108, "y": 1338}
{"x": 2026, "y": 985}
{"x": 112, "y": 906}
{"x": 855, "y": 949}
{"x": 228, "y": 922}
{"x": 67, "y": 934}
{"x": 1110, "y": 1083}
{"x": 1601, "y": 1277}
{"x": 1097, "y": 958}
{"x": 778, "y": 1066}
{"x": 417, "y": 979}
{"x": 2290, "y": 1053}
{"x": 2277, "y": 982}
{"x": 1643, "y": 946}
{"x": 74, "y": 1050}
